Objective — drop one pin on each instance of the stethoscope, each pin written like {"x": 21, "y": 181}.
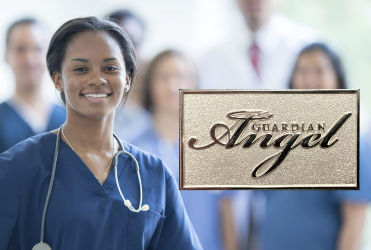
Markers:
{"x": 42, "y": 245}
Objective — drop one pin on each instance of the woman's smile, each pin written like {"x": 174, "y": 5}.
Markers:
{"x": 96, "y": 97}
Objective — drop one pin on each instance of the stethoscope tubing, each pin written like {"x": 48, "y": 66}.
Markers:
{"x": 50, "y": 185}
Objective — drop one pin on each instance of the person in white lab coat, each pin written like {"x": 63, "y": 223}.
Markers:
{"x": 262, "y": 53}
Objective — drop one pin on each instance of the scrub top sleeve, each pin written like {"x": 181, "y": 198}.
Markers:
{"x": 177, "y": 231}
{"x": 8, "y": 203}
{"x": 363, "y": 195}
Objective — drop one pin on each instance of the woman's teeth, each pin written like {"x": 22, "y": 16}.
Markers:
{"x": 96, "y": 95}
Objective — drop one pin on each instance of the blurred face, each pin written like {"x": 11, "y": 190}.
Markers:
{"x": 25, "y": 55}
{"x": 171, "y": 74}
{"x": 257, "y": 12}
{"x": 314, "y": 71}
{"x": 93, "y": 75}
{"x": 134, "y": 30}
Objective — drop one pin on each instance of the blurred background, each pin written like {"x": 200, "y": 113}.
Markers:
{"x": 195, "y": 27}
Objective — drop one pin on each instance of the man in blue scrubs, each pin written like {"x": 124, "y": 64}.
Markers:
{"x": 27, "y": 112}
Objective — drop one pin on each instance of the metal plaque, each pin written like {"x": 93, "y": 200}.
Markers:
{"x": 269, "y": 139}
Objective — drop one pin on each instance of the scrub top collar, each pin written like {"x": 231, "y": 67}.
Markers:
{"x": 101, "y": 191}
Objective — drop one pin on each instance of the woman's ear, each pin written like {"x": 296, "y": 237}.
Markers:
{"x": 128, "y": 82}
{"x": 57, "y": 79}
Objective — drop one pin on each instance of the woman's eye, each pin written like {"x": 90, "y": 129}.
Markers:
{"x": 110, "y": 68}
{"x": 80, "y": 69}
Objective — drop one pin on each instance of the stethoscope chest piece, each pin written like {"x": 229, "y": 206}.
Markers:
{"x": 41, "y": 246}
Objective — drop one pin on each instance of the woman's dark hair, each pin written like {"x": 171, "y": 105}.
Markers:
{"x": 148, "y": 77}
{"x": 63, "y": 36}
{"x": 334, "y": 59}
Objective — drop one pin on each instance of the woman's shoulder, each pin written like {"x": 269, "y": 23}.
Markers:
{"x": 29, "y": 150}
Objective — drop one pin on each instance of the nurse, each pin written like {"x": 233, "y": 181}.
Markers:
{"x": 92, "y": 64}
{"x": 27, "y": 112}
{"x": 318, "y": 219}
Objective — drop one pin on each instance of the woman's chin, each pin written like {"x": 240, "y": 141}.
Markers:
{"x": 97, "y": 115}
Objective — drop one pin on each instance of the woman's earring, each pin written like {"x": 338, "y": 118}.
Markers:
{"x": 126, "y": 89}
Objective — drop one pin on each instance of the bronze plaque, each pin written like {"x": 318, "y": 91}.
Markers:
{"x": 269, "y": 139}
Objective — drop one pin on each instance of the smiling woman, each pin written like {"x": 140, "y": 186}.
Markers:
{"x": 77, "y": 201}
{"x": 89, "y": 74}
{"x": 117, "y": 61}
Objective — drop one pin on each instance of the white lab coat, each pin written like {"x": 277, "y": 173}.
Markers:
{"x": 228, "y": 65}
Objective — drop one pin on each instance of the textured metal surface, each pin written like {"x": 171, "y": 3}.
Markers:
{"x": 219, "y": 166}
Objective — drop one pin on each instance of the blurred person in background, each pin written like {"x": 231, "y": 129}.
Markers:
{"x": 168, "y": 72}
{"x": 318, "y": 219}
{"x": 259, "y": 55}
{"x": 27, "y": 112}
{"x": 318, "y": 67}
{"x": 135, "y": 27}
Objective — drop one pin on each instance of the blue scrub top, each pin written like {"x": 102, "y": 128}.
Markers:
{"x": 14, "y": 129}
{"x": 202, "y": 205}
{"x": 82, "y": 213}
{"x": 311, "y": 219}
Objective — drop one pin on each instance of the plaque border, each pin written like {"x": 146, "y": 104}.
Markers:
{"x": 182, "y": 92}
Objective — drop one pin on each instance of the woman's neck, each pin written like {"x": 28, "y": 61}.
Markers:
{"x": 89, "y": 136}
{"x": 166, "y": 124}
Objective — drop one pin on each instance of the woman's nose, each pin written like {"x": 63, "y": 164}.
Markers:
{"x": 96, "y": 78}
